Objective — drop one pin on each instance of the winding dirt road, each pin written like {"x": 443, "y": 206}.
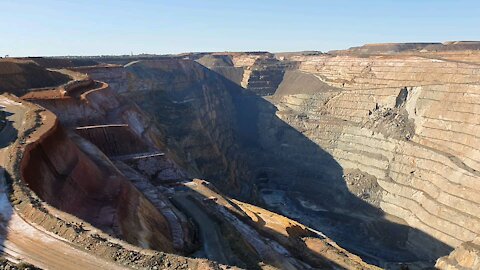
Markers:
{"x": 21, "y": 241}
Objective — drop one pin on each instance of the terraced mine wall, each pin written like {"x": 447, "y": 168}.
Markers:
{"x": 82, "y": 109}
{"x": 121, "y": 132}
{"x": 403, "y": 129}
{"x": 426, "y": 173}
{"x": 105, "y": 137}
{"x": 353, "y": 146}
{"x": 60, "y": 174}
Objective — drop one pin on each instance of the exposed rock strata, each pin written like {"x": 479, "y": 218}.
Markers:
{"x": 63, "y": 176}
{"x": 441, "y": 104}
{"x": 420, "y": 151}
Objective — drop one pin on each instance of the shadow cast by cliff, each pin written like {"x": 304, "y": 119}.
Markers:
{"x": 8, "y": 135}
{"x": 299, "y": 179}
{"x": 235, "y": 139}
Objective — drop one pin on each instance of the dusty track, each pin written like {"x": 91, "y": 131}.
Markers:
{"x": 210, "y": 234}
{"x": 20, "y": 241}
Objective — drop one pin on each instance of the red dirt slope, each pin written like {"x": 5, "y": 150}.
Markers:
{"x": 91, "y": 189}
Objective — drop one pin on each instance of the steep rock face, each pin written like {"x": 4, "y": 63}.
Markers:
{"x": 224, "y": 65}
{"x": 110, "y": 139}
{"x": 204, "y": 116}
{"x": 79, "y": 156}
{"x": 400, "y": 131}
{"x": 194, "y": 110}
{"x": 116, "y": 129}
{"x": 62, "y": 175}
{"x": 265, "y": 76}
{"x": 410, "y": 123}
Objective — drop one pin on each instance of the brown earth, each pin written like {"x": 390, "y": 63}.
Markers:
{"x": 19, "y": 75}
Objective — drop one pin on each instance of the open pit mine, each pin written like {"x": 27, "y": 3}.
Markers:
{"x": 366, "y": 158}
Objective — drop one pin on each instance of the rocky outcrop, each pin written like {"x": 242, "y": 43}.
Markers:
{"x": 194, "y": 110}
{"x": 465, "y": 256}
{"x": 301, "y": 240}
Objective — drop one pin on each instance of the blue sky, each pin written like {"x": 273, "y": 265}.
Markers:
{"x": 96, "y": 27}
